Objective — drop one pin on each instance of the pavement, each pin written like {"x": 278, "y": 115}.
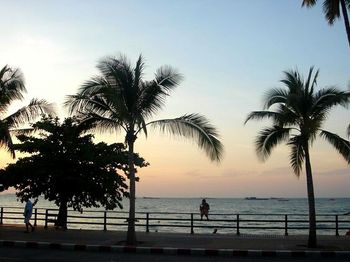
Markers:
{"x": 174, "y": 243}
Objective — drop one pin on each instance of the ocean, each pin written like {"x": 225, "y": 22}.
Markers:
{"x": 173, "y": 214}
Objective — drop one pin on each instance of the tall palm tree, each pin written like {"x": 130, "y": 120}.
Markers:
{"x": 119, "y": 99}
{"x": 12, "y": 88}
{"x": 331, "y": 9}
{"x": 297, "y": 113}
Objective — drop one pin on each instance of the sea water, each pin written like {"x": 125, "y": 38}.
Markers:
{"x": 220, "y": 209}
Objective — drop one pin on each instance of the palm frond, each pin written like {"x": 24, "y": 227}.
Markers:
{"x": 6, "y": 139}
{"x": 138, "y": 72}
{"x": 153, "y": 94}
{"x": 309, "y": 86}
{"x": 91, "y": 88}
{"x": 293, "y": 81}
{"x": 74, "y": 103}
{"x": 118, "y": 67}
{"x": 122, "y": 78}
{"x": 340, "y": 144}
{"x": 91, "y": 120}
{"x": 82, "y": 103}
{"x": 29, "y": 113}
{"x": 268, "y": 138}
{"x": 297, "y": 154}
{"x": 275, "y": 96}
{"x": 118, "y": 72}
{"x": 260, "y": 115}
{"x": 152, "y": 98}
{"x": 3, "y": 71}
{"x": 11, "y": 87}
{"x": 309, "y": 3}
{"x": 141, "y": 124}
{"x": 12, "y": 79}
{"x": 287, "y": 116}
{"x": 103, "y": 104}
{"x": 168, "y": 78}
{"x": 95, "y": 86}
{"x": 327, "y": 98}
{"x": 331, "y": 10}
{"x": 197, "y": 127}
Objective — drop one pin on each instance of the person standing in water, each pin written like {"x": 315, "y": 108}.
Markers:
{"x": 204, "y": 209}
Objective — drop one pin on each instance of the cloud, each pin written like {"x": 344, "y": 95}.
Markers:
{"x": 277, "y": 171}
{"x": 235, "y": 173}
{"x": 195, "y": 173}
{"x": 334, "y": 172}
{"x": 224, "y": 173}
{"x": 288, "y": 171}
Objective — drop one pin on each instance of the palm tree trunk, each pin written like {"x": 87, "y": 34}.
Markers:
{"x": 131, "y": 234}
{"x": 346, "y": 19}
{"x": 312, "y": 242}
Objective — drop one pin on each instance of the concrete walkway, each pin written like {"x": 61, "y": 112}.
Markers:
{"x": 12, "y": 234}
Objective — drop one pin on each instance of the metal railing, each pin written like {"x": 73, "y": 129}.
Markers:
{"x": 184, "y": 222}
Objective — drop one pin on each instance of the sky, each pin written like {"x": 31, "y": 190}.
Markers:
{"x": 230, "y": 53}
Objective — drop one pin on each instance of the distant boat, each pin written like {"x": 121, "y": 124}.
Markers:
{"x": 150, "y": 197}
{"x": 256, "y": 198}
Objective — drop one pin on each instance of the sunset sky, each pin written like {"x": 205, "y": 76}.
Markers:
{"x": 230, "y": 53}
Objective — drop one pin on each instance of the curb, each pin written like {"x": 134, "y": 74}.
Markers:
{"x": 174, "y": 251}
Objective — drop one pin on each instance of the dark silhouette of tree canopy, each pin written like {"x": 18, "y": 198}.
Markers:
{"x": 12, "y": 88}
{"x": 297, "y": 117}
{"x": 331, "y": 9}
{"x": 119, "y": 99}
{"x": 66, "y": 167}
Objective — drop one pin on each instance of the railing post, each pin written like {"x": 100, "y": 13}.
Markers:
{"x": 237, "y": 224}
{"x": 336, "y": 226}
{"x": 46, "y": 217}
{"x": 192, "y": 231}
{"x": 105, "y": 221}
{"x": 35, "y": 217}
{"x": 1, "y": 215}
{"x": 286, "y": 225}
{"x": 147, "y": 222}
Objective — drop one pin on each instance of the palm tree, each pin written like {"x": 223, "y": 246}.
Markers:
{"x": 331, "y": 9}
{"x": 119, "y": 99}
{"x": 298, "y": 113}
{"x": 12, "y": 88}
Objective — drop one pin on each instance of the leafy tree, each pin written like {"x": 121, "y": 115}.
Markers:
{"x": 298, "y": 112}
{"x": 331, "y": 9}
{"x": 12, "y": 88}
{"x": 68, "y": 168}
{"x": 119, "y": 99}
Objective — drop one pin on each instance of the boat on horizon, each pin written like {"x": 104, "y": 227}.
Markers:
{"x": 256, "y": 198}
{"x": 150, "y": 197}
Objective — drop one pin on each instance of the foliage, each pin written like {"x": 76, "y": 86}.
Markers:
{"x": 120, "y": 99}
{"x": 332, "y": 9}
{"x": 66, "y": 167}
{"x": 11, "y": 89}
{"x": 297, "y": 114}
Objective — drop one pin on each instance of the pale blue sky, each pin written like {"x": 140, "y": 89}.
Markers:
{"x": 230, "y": 52}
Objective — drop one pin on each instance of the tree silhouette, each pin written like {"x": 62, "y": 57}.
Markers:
{"x": 119, "y": 99}
{"x": 66, "y": 167}
{"x": 298, "y": 115}
{"x": 12, "y": 88}
{"x": 331, "y": 9}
